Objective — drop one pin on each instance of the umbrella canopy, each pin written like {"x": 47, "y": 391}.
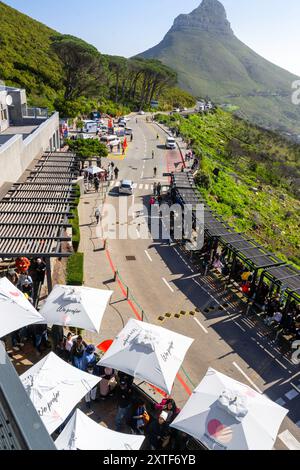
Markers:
{"x": 80, "y": 307}
{"x": 225, "y": 414}
{"x": 94, "y": 170}
{"x": 82, "y": 433}
{"x": 55, "y": 388}
{"x": 16, "y": 310}
{"x": 148, "y": 352}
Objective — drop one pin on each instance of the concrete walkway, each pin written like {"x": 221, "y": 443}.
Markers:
{"x": 97, "y": 271}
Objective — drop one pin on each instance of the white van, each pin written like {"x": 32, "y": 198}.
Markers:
{"x": 110, "y": 140}
{"x": 84, "y": 136}
{"x": 171, "y": 143}
{"x": 90, "y": 127}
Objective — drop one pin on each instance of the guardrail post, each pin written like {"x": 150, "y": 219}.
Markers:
{"x": 116, "y": 275}
{"x": 127, "y": 296}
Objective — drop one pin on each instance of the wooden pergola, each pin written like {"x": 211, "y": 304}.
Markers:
{"x": 34, "y": 215}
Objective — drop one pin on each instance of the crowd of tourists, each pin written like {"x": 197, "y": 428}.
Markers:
{"x": 28, "y": 276}
{"x": 273, "y": 308}
{"x": 133, "y": 414}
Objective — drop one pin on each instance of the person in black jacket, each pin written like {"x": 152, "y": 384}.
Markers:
{"x": 124, "y": 399}
{"x": 159, "y": 433}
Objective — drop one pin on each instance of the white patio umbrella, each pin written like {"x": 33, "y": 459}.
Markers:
{"x": 94, "y": 170}
{"x": 82, "y": 433}
{"x": 225, "y": 414}
{"x": 55, "y": 388}
{"x": 77, "y": 306}
{"x": 16, "y": 310}
{"x": 148, "y": 352}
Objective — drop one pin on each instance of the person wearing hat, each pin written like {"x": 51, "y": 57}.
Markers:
{"x": 159, "y": 434}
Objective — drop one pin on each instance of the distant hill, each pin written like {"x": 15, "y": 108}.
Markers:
{"x": 26, "y": 59}
{"x": 211, "y": 61}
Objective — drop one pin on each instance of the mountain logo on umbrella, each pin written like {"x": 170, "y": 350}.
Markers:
{"x": 219, "y": 431}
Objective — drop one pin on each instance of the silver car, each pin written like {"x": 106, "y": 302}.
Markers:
{"x": 126, "y": 187}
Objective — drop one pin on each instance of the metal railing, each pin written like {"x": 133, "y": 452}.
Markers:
{"x": 36, "y": 113}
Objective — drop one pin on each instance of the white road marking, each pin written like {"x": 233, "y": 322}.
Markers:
{"x": 138, "y": 233}
{"x": 149, "y": 257}
{"x": 289, "y": 440}
{"x": 146, "y": 187}
{"x": 167, "y": 284}
{"x": 134, "y": 186}
{"x": 280, "y": 363}
{"x": 291, "y": 394}
{"x": 141, "y": 186}
{"x": 296, "y": 387}
{"x": 201, "y": 326}
{"x": 117, "y": 185}
{"x": 280, "y": 402}
{"x": 246, "y": 377}
{"x": 241, "y": 328}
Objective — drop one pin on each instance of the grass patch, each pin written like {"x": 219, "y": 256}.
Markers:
{"x": 75, "y": 221}
{"x": 257, "y": 190}
{"x": 75, "y": 270}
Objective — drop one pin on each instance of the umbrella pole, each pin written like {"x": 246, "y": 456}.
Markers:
{"x": 49, "y": 275}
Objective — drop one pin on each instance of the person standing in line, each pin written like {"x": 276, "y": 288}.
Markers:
{"x": 159, "y": 189}
{"x": 155, "y": 189}
{"x": 155, "y": 171}
{"x": 152, "y": 154}
{"x": 77, "y": 353}
{"x": 97, "y": 215}
{"x": 116, "y": 173}
{"x": 68, "y": 346}
{"x": 124, "y": 398}
{"x": 97, "y": 184}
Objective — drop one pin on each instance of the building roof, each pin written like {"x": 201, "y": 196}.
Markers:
{"x": 34, "y": 215}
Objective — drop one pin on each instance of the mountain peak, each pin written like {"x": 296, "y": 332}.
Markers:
{"x": 209, "y": 16}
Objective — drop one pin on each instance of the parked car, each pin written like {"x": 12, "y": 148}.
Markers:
{"x": 110, "y": 140}
{"x": 141, "y": 113}
{"x": 171, "y": 143}
{"x": 84, "y": 136}
{"x": 126, "y": 187}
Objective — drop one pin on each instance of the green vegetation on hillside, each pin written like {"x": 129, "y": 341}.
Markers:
{"x": 257, "y": 190}
{"x": 212, "y": 62}
{"x": 65, "y": 73}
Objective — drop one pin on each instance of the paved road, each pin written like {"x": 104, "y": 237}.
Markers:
{"x": 162, "y": 281}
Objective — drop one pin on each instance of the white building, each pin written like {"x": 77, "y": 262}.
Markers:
{"x": 25, "y": 133}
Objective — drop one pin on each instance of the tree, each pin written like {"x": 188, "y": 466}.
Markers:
{"x": 87, "y": 148}
{"x": 82, "y": 66}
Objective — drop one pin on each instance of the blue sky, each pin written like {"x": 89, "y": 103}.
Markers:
{"x": 120, "y": 27}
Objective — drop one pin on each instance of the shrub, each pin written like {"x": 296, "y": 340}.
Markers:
{"x": 75, "y": 270}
